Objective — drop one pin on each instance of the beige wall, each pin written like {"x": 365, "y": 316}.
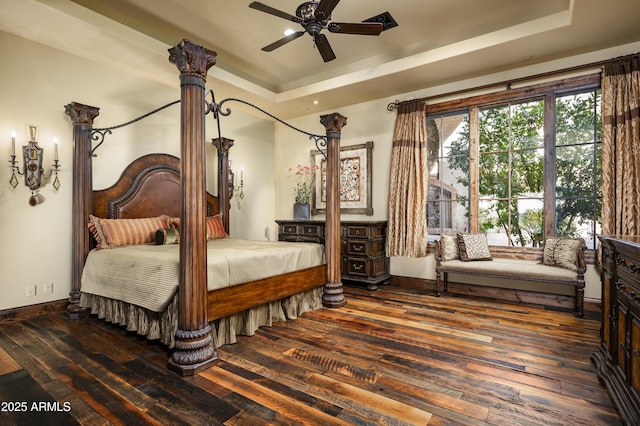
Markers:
{"x": 38, "y": 81}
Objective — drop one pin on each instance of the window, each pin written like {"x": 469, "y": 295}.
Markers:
{"x": 448, "y": 166}
{"x": 522, "y": 166}
{"x": 511, "y": 173}
{"x": 578, "y": 170}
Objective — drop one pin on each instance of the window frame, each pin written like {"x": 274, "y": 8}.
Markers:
{"x": 548, "y": 91}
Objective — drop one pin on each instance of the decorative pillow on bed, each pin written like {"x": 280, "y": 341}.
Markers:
{"x": 562, "y": 252}
{"x": 174, "y": 222}
{"x": 166, "y": 236}
{"x": 110, "y": 233}
{"x": 449, "y": 246}
{"x": 473, "y": 246}
{"x": 215, "y": 227}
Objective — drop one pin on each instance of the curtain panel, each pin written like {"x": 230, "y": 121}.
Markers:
{"x": 621, "y": 146}
{"x": 407, "y": 227}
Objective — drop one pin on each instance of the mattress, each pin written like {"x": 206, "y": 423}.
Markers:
{"x": 148, "y": 275}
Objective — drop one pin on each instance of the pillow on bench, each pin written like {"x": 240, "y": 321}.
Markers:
{"x": 449, "y": 245}
{"x": 473, "y": 246}
{"x": 562, "y": 252}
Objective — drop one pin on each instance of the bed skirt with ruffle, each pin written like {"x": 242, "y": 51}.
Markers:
{"x": 163, "y": 325}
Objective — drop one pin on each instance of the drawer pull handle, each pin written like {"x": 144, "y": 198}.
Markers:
{"x": 358, "y": 248}
{"x": 358, "y": 267}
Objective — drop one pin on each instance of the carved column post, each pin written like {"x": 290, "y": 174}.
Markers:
{"x": 223, "y": 145}
{"x": 82, "y": 118}
{"x": 194, "y": 350}
{"x": 333, "y": 296}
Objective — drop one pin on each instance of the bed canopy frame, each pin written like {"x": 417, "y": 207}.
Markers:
{"x": 194, "y": 350}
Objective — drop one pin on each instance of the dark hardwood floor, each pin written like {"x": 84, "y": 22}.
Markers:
{"x": 396, "y": 356}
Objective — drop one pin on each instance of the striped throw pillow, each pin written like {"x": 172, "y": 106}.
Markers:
{"x": 110, "y": 233}
{"x": 215, "y": 227}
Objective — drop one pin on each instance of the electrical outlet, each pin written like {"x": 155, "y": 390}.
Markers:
{"x": 31, "y": 290}
{"x": 48, "y": 288}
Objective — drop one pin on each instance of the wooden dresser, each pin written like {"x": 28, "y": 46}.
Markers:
{"x": 618, "y": 358}
{"x": 362, "y": 247}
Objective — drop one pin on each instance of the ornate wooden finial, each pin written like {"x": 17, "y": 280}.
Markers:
{"x": 222, "y": 144}
{"x": 333, "y": 122}
{"x": 81, "y": 114}
{"x": 192, "y": 59}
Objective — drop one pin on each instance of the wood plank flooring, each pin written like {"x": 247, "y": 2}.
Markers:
{"x": 396, "y": 357}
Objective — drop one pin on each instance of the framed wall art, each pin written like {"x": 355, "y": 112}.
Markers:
{"x": 355, "y": 180}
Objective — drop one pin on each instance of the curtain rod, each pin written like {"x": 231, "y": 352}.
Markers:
{"x": 394, "y": 105}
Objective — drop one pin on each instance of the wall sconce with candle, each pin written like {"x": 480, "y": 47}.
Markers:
{"x": 232, "y": 186}
{"x": 31, "y": 169}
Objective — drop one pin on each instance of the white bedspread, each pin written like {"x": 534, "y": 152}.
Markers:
{"x": 147, "y": 275}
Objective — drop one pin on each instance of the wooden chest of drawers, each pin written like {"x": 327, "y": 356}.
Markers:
{"x": 362, "y": 247}
{"x": 618, "y": 358}
{"x": 363, "y": 253}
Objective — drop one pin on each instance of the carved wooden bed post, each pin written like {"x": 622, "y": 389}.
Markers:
{"x": 223, "y": 145}
{"x": 194, "y": 350}
{"x": 82, "y": 118}
{"x": 333, "y": 296}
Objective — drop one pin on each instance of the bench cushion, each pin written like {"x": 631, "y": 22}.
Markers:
{"x": 511, "y": 269}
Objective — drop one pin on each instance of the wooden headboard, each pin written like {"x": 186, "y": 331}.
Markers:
{"x": 148, "y": 187}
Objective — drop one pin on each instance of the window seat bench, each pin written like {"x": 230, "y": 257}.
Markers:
{"x": 513, "y": 269}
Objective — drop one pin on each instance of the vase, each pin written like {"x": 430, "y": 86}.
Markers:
{"x": 301, "y": 211}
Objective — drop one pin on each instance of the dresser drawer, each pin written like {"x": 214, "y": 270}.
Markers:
{"x": 355, "y": 231}
{"x": 307, "y": 230}
{"x": 369, "y": 269}
{"x": 356, "y": 247}
{"x": 300, "y": 231}
{"x": 289, "y": 229}
{"x": 355, "y": 266}
{"x": 367, "y": 248}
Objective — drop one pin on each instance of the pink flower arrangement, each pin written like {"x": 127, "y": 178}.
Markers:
{"x": 302, "y": 187}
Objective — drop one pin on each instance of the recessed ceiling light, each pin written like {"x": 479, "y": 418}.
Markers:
{"x": 288, "y": 32}
{"x": 316, "y": 102}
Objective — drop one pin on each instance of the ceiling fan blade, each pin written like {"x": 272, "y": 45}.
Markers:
{"x": 282, "y": 41}
{"x": 275, "y": 12}
{"x": 324, "y": 9}
{"x": 355, "y": 28}
{"x": 324, "y": 48}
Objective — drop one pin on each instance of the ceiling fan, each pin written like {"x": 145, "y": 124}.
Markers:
{"x": 314, "y": 16}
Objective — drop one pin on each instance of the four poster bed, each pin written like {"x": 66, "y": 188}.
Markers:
{"x": 197, "y": 294}
{"x": 135, "y": 285}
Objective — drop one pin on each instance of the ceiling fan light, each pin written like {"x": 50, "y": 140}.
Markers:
{"x": 288, "y": 32}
